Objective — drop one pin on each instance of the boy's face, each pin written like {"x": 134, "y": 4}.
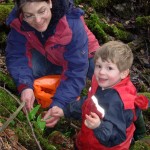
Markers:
{"x": 107, "y": 73}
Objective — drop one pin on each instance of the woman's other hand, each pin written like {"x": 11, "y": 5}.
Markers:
{"x": 27, "y": 95}
{"x": 51, "y": 121}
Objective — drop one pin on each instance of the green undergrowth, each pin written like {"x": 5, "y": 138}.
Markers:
{"x": 20, "y": 125}
{"x": 6, "y": 81}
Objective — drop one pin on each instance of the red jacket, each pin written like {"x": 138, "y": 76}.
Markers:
{"x": 86, "y": 139}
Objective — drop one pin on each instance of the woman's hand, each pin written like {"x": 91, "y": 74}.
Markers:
{"x": 27, "y": 95}
{"x": 92, "y": 121}
{"x": 52, "y": 116}
{"x": 57, "y": 112}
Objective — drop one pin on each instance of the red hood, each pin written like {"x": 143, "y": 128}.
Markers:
{"x": 129, "y": 96}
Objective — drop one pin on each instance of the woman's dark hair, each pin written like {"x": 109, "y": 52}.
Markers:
{"x": 59, "y": 7}
{"x": 20, "y": 3}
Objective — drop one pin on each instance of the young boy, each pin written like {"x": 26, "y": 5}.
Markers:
{"x": 112, "y": 105}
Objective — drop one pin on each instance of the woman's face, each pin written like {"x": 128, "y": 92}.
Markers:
{"x": 37, "y": 14}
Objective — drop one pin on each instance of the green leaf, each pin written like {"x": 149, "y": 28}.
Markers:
{"x": 12, "y": 122}
{"x": 33, "y": 112}
{"x": 52, "y": 147}
{"x": 41, "y": 123}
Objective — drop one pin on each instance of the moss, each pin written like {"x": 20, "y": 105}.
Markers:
{"x": 7, "y": 81}
{"x": 3, "y": 37}
{"x": 9, "y": 105}
{"x": 46, "y": 144}
{"x": 140, "y": 145}
{"x": 7, "y": 101}
{"x": 146, "y": 94}
{"x": 143, "y": 21}
{"x": 4, "y": 11}
{"x": 97, "y": 4}
{"x": 25, "y": 137}
{"x": 97, "y": 28}
{"x": 102, "y": 29}
{"x": 119, "y": 25}
{"x": 120, "y": 34}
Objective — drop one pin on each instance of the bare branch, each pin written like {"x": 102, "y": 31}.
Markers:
{"x": 30, "y": 124}
{"x": 4, "y": 126}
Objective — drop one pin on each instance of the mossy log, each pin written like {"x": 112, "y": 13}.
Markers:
{"x": 143, "y": 21}
{"x": 5, "y": 9}
{"x": 104, "y": 30}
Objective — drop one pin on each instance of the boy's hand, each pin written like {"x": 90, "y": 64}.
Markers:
{"x": 92, "y": 121}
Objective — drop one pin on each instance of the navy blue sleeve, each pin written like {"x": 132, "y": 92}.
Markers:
{"x": 112, "y": 130}
{"x": 77, "y": 57}
{"x": 16, "y": 60}
{"x": 74, "y": 109}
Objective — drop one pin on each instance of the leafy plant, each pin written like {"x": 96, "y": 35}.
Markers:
{"x": 33, "y": 112}
{"x": 38, "y": 120}
{"x": 41, "y": 123}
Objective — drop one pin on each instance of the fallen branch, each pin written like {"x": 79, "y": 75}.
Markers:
{"x": 27, "y": 116}
{"x": 73, "y": 125}
{"x": 4, "y": 126}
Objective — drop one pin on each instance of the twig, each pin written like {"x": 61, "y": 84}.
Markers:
{"x": 4, "y": 126}
{"x": 73, "y": 125}
{"x": 9, "y": 114}
{"x": 26, "y": 112}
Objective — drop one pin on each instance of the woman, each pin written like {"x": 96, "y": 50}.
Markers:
{"x": 46, "y": 38}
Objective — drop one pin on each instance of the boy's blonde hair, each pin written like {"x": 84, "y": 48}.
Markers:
{"x": 116, "y": 52}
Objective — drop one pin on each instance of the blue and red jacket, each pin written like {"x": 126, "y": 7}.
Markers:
{"x": 120, "y": 104}
{"x": 68, "y": 45}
